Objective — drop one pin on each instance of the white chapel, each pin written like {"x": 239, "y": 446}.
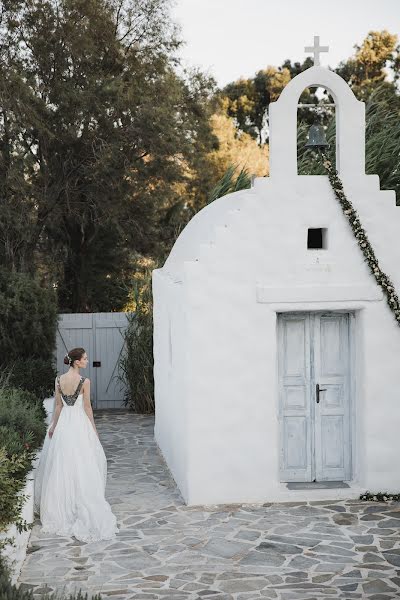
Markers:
{"x": 277, "y": 364}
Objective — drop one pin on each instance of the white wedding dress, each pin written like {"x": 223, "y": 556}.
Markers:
{"x": 70, "y": 479}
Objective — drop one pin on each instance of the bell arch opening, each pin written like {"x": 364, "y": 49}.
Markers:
{"x": 316, "y": 107}
{"x": 349, "y": 148}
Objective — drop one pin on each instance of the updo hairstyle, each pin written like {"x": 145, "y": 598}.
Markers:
{"x": 74, "y": 354}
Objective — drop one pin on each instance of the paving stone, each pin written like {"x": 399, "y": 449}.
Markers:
{"x": 242, "y": 585}
{"x": 377, "y": 586}
{"x": 372, "y": 517}
{"x": 247, "y": 534}
{"x": 394, "y": 514}
{"x": 263, "y": 559}
{"x": 362, "y": 539}
{"x": 345, "y": 519}
{"x": 302, "y": 562}
{"x": 325, "y": 549}
{"x": 354, "y": 573}
{"x": 351, "y": 587}
{"x": 363, "y": 549}
{"x": 281, "y": 548}
{"x": 224, "y": 548}
{"x": 389, "y": 523}
{"x": 392, "y": 557}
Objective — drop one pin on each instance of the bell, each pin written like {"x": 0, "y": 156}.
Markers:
{"x": 316, "y": 138}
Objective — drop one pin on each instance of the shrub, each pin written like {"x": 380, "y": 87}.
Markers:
{"x": 11, "y": 483}
{"x": 21, "y": 412}
{"x": 29, "y": 318}
{"x": 11, "y": 592}
{"x": 136, "y": 363}
{"x": 15, "y": 443}
{"x": 34, "y": 374}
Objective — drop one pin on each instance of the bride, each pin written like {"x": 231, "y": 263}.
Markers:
{"x": 70, "y": 480}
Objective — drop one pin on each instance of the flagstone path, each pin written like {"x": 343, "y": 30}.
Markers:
{"x": 166, "y": 550}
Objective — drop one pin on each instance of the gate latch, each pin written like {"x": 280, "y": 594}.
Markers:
{"x": 97, "y": 363}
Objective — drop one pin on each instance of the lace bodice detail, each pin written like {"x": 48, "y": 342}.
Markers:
{"x": 70, "y": 399}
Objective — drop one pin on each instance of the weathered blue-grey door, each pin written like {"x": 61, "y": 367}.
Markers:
{"x": 102, "y": 336}
{"x": 314, "y": 386}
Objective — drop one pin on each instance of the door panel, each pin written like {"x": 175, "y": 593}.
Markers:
{"x": 315, "y": 436}
{"x": 75, "y": 330}
{"x": 294, "y": 352}
{"x": 109, "y": 345}
{"x": 332, "y": 418}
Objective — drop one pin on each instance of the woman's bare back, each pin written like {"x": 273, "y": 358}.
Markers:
{"x": 69, "y": 383}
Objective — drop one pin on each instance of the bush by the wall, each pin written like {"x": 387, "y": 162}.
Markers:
{"x": 136, "y": 364}
{"x": 15, "y": 443}
{"x": 12, "y": 482}
{"x": 20, "y": 412}
{"x": 23, "y": 395}
{"x": 34, "y": 374}
{"x": 22, "y": 431}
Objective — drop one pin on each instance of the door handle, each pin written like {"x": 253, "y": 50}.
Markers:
{"x": 318, "y": 390}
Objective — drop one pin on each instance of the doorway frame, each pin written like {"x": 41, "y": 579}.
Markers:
{"x": 354, "y": 370}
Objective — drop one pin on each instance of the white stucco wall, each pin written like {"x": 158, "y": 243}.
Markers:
{"x": 237, "y": 264}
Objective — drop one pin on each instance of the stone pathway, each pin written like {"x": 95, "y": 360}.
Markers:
{"x": 319, "y": 550}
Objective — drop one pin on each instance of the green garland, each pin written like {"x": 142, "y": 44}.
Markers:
{"x": 360, "y": 234}
{"x": 379, "y": 497}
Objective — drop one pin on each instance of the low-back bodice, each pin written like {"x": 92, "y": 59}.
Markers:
{"x": 70, "y": 399}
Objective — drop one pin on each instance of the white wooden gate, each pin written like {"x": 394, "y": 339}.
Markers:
{"x": 101, "y": 335}
{"x": 314, "y": 367}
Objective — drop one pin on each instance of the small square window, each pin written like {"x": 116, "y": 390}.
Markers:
{"x": 317, "y": 238}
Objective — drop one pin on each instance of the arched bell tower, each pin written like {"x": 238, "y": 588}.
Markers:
{"x": 350, "y": 124}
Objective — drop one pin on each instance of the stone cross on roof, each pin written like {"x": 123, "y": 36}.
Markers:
{"x": 316, "y": 50}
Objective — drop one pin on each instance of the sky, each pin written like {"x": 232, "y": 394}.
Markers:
{"x": 230, "y": 39}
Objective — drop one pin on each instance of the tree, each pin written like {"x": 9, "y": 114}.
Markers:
{"x": 236, "y": 147}
{"x": 96, "y": 131}
{"x": 367, "y": 68}
{"x": 248, "y": 99}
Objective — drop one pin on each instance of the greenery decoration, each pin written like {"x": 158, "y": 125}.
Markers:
{"x": 360, "y": 234}
{"x": 379, "y": 497}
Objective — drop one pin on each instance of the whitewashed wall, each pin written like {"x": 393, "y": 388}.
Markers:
{"x": 238, "y": 263}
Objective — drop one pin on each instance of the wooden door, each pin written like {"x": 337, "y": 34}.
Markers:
{"x": 314, "y": 350}
{"x": 102, "y": 336}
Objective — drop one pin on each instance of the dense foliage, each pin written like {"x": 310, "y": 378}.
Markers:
{"x": 100, "y": 138}
{"x": 22, "y": 431}
{"x": 28, "y": 324}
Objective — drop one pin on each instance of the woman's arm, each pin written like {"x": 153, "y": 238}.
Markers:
{"x": 57, "y": 410}
{"x": 87, "y": 404}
